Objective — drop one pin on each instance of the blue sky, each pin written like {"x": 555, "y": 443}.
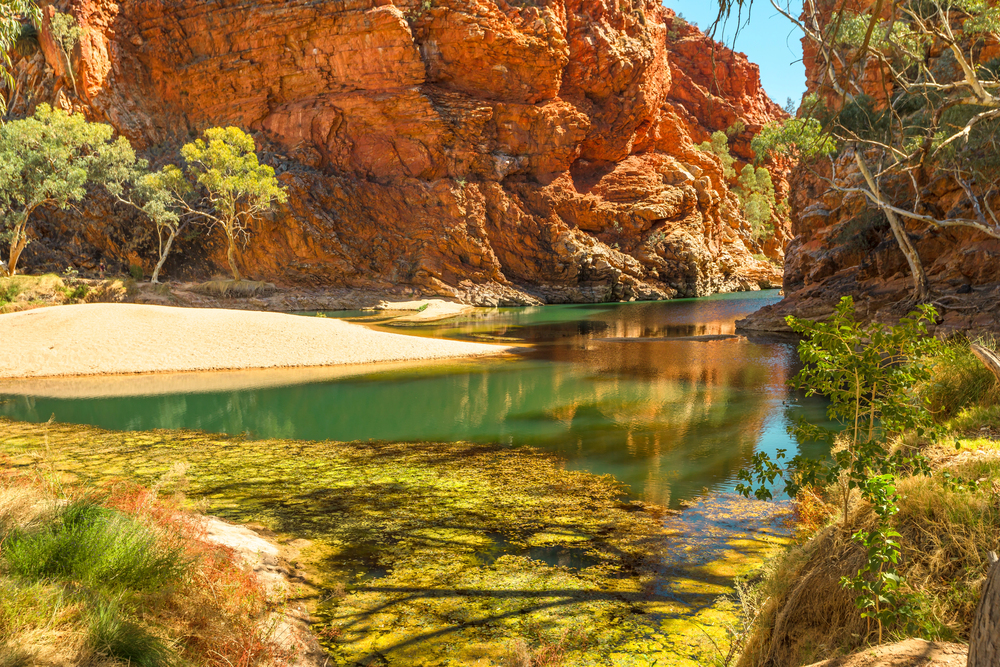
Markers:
{"x": 770, "y": 40}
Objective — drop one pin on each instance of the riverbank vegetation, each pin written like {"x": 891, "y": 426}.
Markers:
{"x": 112, "y": 575}
{"x": 26, "y": 292}
{"x": 903, "y": 516}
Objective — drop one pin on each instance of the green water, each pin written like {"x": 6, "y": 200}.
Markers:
{"x": 672, "y": 419}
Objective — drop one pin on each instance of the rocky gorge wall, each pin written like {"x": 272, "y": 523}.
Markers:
{"x": 842, "y": 245}
{"x": 500, "y": 151}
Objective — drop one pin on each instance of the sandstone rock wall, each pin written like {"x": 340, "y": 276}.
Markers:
{"x": 541, "y": 148}
{"x": 842, "y": 245}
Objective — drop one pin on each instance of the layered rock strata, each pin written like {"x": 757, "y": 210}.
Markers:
{"x": 493, "y": 150}
{"x": 842, "y": 244}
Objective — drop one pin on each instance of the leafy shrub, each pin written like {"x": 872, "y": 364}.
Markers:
{"x": 77, "y": 293}
{"x": 867, "y": 373}
{"x": 756, "y": 193}
{"x": 8, "y": 291}
{"x": 719, "y": 147}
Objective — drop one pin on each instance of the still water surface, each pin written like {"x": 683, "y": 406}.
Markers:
{"x": 673, "y": 419}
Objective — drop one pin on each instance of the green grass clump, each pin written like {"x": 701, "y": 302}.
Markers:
{"x": 960, "y": 380}
{"x": 112, "y": 634}
{"x": 8, "y": 291}
{"x": 98, "y": 547}
{"x": 118, "y": 579}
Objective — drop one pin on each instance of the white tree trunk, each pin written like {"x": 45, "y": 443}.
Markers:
{"x": 984, "y": 641}
{"x": 163, "y": 256}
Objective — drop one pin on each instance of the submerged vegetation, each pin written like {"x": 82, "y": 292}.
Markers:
{"x": 455, "y": 553}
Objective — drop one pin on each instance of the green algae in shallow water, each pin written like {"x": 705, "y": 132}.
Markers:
{"x": 426, "y": 550}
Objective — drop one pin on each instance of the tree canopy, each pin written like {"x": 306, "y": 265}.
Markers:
{"x": 13, "y": 15}
{"x": 48, "y": 160}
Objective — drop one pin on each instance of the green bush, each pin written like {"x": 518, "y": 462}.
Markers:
{"x": 719, "y": 147}
{"x": 8, "y": 291}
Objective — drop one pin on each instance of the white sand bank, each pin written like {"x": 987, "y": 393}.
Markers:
{"x": 101, "y": 339}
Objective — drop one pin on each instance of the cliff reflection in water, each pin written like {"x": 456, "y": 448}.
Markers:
{"x": 670, "y": 418}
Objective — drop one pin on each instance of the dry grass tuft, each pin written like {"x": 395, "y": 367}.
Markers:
{"x": 154, "y": 593}
{"x": 235, "y": 288}
{"x": 961, "y": 381}
{"x": 946, "y": 524}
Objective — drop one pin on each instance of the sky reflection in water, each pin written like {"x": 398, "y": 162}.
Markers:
{"x": 672, "y": 419}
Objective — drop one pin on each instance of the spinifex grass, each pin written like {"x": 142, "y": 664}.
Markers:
{"x": 115, "y": 577}
{"x": 444, "y": 554}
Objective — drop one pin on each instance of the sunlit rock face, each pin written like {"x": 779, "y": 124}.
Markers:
{"x": 842, "y": 245}
{"x": 484, "y": 149}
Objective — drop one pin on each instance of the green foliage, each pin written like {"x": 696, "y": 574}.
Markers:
{"x": 66, "y": 32}
{"x": 237, "y": 186}
{"x": 878, "y": 581}
{"x": 736, "y": 129}
{"x": 225, "y": 163}
{"x": 98, "y": 547}
{"x": 719, "y": 147}
{"x": 77, "y": 293}
{"x": 48, "y": 160}
{"x": 13, "y": 15}
{"x": 981, "y": 16}
{"x": 794, "y": 137}
{"x": 756, "y": 193}
{"x": 868, "y": 373}
{"x": 895, "y": 40}
{"x": 8, "y": 291}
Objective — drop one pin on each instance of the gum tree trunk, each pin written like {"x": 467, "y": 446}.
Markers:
{"x": 921, "y": 288}
{"x": 163, "y": 257}
{"x": 17, "y": 245}
{"x": 988, "y": 357}
{"x": 231, "y": 255}
{"x": 984, "y": 641}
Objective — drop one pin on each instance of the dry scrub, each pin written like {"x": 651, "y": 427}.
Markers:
{"x": 120, "y": 577}
{"x": 19, "y": 293}
{"x": 947, "y": 524}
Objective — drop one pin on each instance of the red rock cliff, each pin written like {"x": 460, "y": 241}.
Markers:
{"x": 842, "y": 244}
{"x": 544, "y": 147}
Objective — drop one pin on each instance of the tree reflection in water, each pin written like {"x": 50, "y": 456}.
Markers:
{"x": 672, "y": 419}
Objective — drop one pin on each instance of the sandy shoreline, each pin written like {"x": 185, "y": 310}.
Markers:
{"x": 114, "y": 339}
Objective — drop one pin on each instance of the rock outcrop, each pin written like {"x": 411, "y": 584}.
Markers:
{"x": 842, "y": 245}
{"x": 493, "y": 150}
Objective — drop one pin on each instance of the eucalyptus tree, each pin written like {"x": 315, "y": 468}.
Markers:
{"x": 222, "y": 183}
{"x": 15, "y": 15}
{"x": 48, "y": 160}
{"x": 908, "y": 102}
